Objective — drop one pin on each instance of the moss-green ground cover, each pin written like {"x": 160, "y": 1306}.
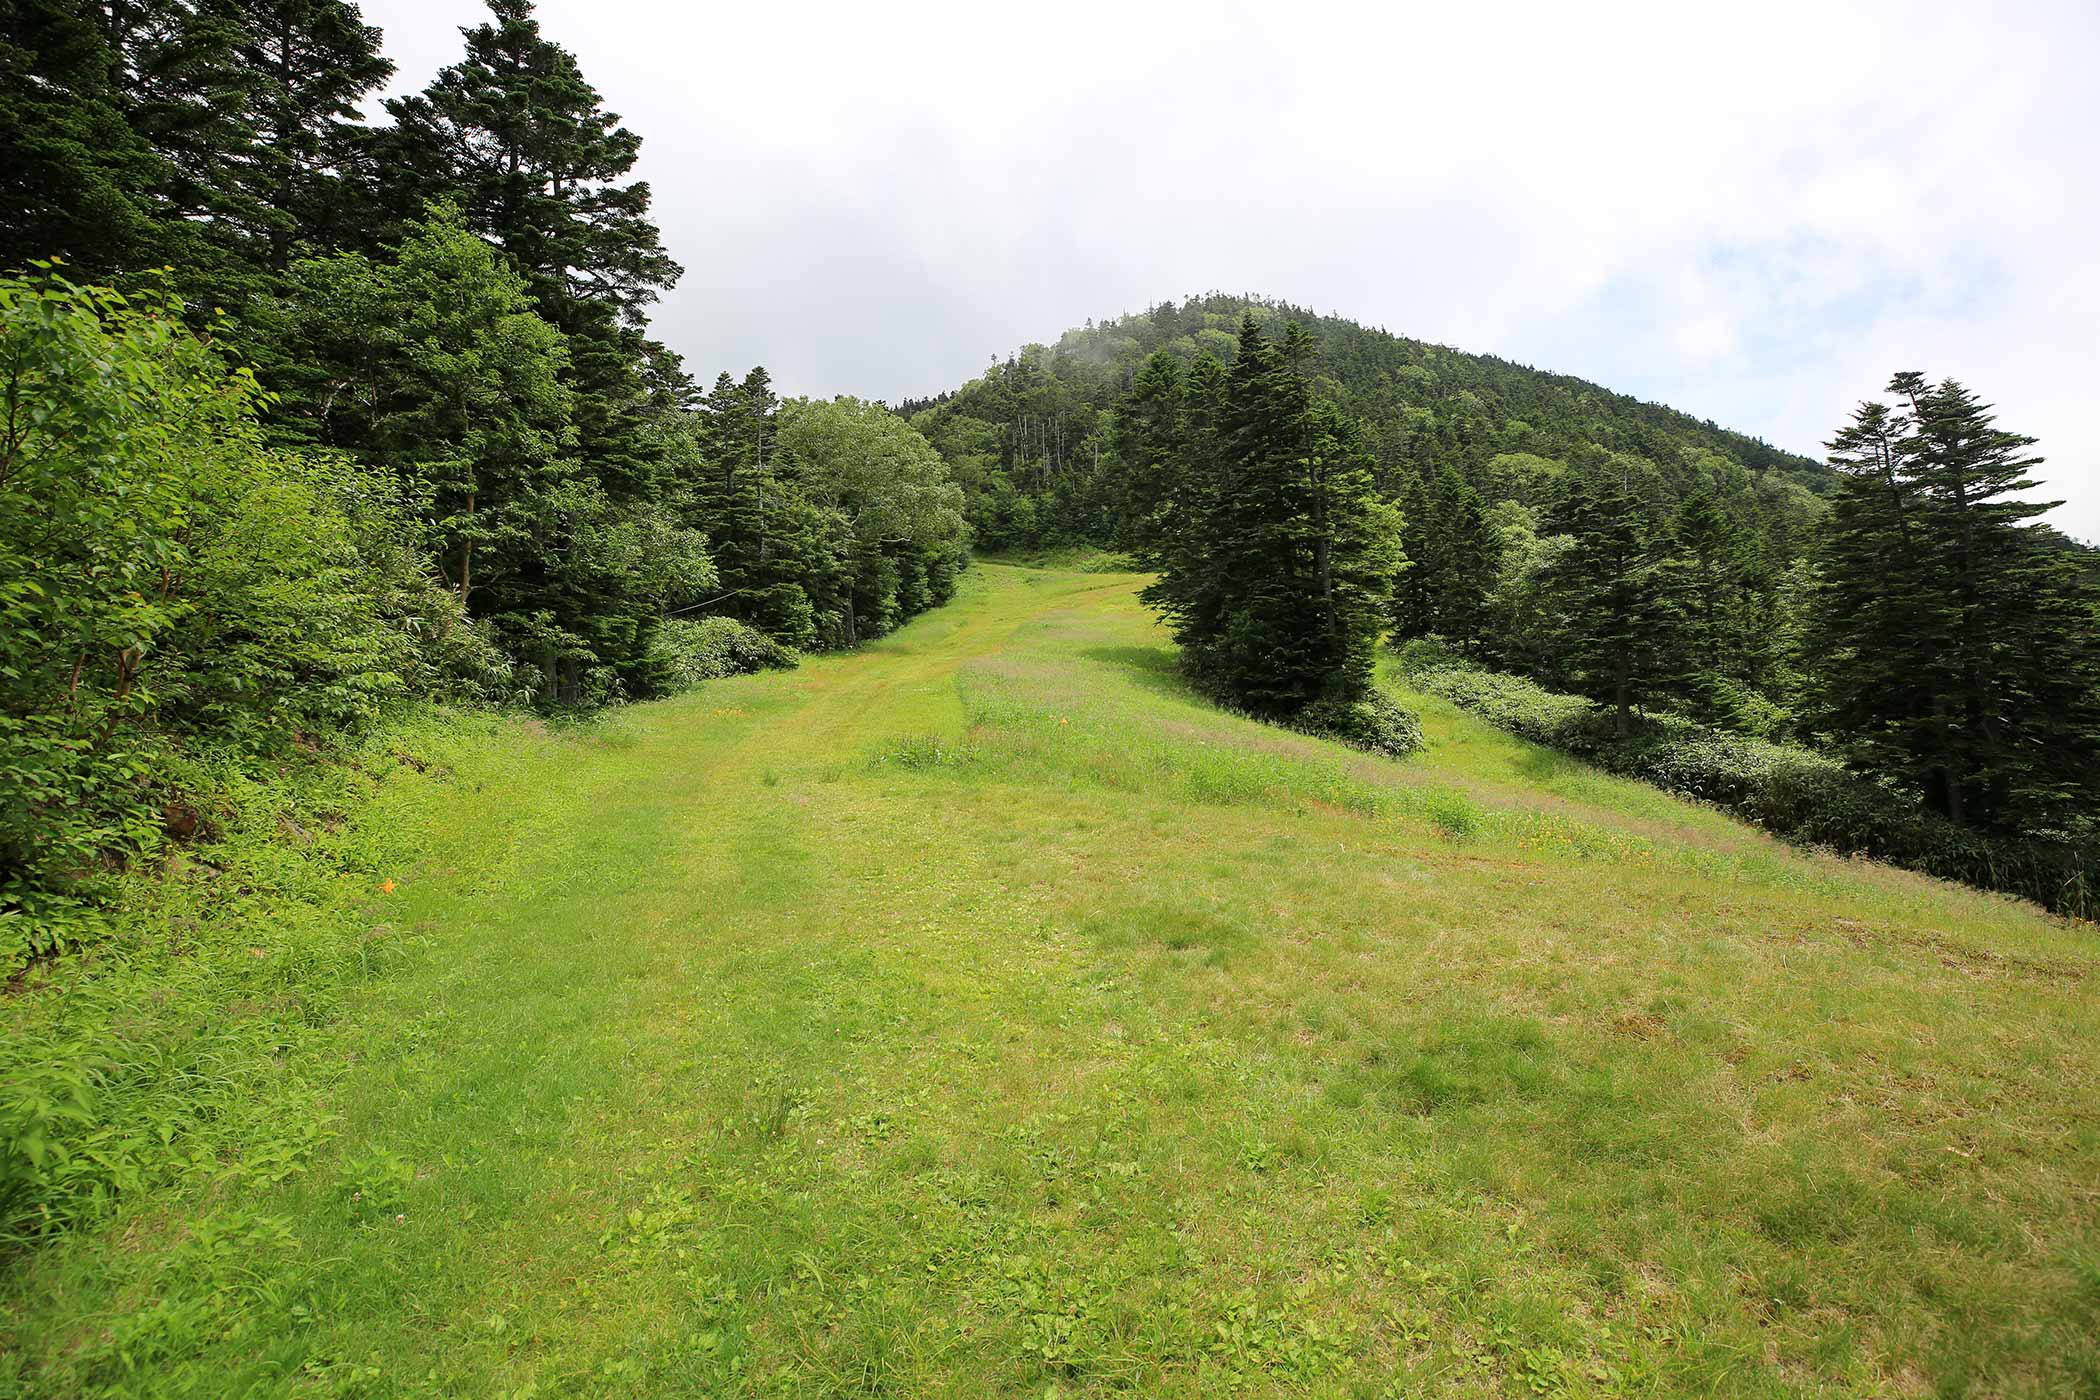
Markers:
{"x": 983, "y": 1014}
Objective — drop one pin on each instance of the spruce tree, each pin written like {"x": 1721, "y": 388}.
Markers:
{"x": 516, "y": 134}
{"x": 520, "y": 139}
{"x": 1611, "y": 592}
{"x": 1706, "y": 573}
{"x": 77, "y": 181}
{"x": 1420, "y": 587}
{"x": 1470, "y": 550}
{"x": 304, "y": 65}
{"x": 1956, "y": 650}
{"x": 1870, "y": 611}
{"x": 1278, "y": 589}
{"x": 1148, "y": 437}
{"x": 1183, "y": 502}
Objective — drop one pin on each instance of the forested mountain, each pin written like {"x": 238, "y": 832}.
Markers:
{"x": 1029, "y": 440}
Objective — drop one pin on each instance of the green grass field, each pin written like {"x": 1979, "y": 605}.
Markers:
{"x": 983, "y": 1014}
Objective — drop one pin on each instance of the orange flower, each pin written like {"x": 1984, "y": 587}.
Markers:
{"x": 386, "y": 886}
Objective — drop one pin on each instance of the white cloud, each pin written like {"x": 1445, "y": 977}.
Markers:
{"x": 1753, "y": 214}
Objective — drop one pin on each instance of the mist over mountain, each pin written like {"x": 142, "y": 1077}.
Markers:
{"x": 1028, "y": 439}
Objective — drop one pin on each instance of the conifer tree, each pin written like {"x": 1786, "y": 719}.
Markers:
{"x": 303, "y": 65}
{"x": 1611, "y": 592}
{"x": 206, "y": 135}
{"x": 1706, "y": 574}
{"x": 1420, "y": 586}
{"x": 1149, "y": 440}
{"x": 519, "y": 138}
{"x": 1869, "y": 622}
{"x": 77, "y": 181}
{"x": 1956, "y": 652}
{"x": 516, "y": 134}
{"x": 1281, "y": 607}
{"x": 1471, "y": 561}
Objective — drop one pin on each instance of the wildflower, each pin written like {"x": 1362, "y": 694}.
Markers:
{"x": 386, "y": 886}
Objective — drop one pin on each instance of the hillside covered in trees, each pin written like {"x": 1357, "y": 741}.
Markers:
{"x": 1901, "y": 614}
{"x": 1029, "y": 440}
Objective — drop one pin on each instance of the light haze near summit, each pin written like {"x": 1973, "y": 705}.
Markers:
{"x": 1753, "y": 215}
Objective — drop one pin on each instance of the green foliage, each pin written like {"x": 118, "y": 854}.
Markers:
{"x": 884, "y": 499}
{"x": 518, "y": 136}
{"x": 293, "y": 73}
{"x": 75, "y": 177}
{"x": 1613, "y": 592}
{"x": 1374, "y": 722}
{"x": 688, "y": 651}
{"x": 1276, "y": 556}
{"x": 1957, "y": 648}
{"x": 1033, "y": 442}
{"x": 158, "y": 1057}
{"x": 1454, "y": 560}
{"x": 434, "y": 364}
{"x": 168, "y": 581}
{"x": 520, "y": 140}
{"x": 1792, "y": 792}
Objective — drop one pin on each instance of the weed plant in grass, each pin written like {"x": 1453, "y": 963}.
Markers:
{"x": 984, "y": 1014}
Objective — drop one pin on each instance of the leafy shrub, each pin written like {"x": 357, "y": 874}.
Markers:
{"x": 1795, "y": 794}
{"x": 1377, "y": 723}
{"x": 687, "y": 651}
{"x": 169, "y": 585}
{"x": 184, "y": 1046}
{"x": 1454, "y": 815}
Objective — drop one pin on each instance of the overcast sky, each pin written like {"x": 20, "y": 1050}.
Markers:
{"x": 1754, "y": 216}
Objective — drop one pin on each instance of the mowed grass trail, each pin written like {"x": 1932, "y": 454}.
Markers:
{"x": 982, "y": 1014}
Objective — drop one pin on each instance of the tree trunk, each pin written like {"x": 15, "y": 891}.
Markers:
{"x": 1622, "y": 690}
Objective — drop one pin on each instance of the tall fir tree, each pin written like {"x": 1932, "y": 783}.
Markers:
{"x": 305, "y": 65}
{"x": 1148, "y": 439}
{"x": 1472, "y": 561}
{"x": 1277, "y": 574}
{"x": 516, "y": 134}
{"x": 1612, "y": 592}
{"x": 1417, "y": 591}
{"x": 77, "y": 181}
{"x": 1873, "y": 606}
{"x": 1706, "y": 572}
{"x": 1956, "y": 650}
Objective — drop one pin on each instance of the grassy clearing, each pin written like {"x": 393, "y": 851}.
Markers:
{"x": 981, "y": 1014}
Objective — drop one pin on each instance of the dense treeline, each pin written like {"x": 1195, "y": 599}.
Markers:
{"x": 1900, "y": 607}
{"x": 1030, "y": 439}
{"x": 306, "y": 415}
{"x": 1932, "y": 632}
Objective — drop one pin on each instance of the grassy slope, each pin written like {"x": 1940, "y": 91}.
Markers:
{"x": 979, "y": 1014}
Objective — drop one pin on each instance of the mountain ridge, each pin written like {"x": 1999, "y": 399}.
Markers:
{"x": 1027, "y": 437}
